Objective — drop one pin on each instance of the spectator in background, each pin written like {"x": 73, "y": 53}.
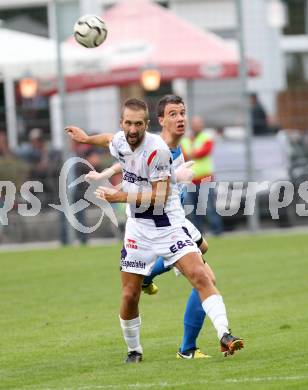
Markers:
{"x": 77, "y": 192}
{"x": 199, "y": 148}
{"x": 44, "y": 163}
{"x": 11, "y": 168}
{"x": 258, "y": 116}
{"x": 294, "y": 144}
{"x": 35, "y": 153}
{"x": 94, "y": 158}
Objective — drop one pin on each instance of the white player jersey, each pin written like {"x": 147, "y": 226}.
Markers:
{"x": 150, "y": 162}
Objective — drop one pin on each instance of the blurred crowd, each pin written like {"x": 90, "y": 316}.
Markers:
{"x": 36, "y": 160}
{"x": 295, "y": 145}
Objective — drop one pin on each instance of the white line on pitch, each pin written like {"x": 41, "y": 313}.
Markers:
{"x": 163, "y": 385}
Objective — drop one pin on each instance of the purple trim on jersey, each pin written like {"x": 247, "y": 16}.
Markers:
{"x": 132, "y": 177}
{"x": 123, "y": 252}
{"x": 159, "y": 220}
{"x": 186, "y": 231}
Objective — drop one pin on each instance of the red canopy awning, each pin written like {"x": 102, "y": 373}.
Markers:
{"x": 142, "y": 34}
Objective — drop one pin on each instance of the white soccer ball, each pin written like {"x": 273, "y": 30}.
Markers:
{"x": 90, "y": 31}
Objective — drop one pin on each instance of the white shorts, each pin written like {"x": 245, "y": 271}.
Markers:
{"x": 144, "y": 243}
{"x": 192, "y": 230}
{"x": 195, "y": 234}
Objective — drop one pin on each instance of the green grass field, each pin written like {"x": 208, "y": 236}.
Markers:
{"x": 59, "y": 325}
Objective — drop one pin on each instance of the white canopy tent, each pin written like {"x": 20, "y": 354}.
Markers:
{"x": 32, "y": 56}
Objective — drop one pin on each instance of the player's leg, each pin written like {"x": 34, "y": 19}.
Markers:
{"x": 137, "y": 259}
{"x": 129, "y": 315}
{"x": 194, "y": 315}
{"x": 181, "y": 251}
{"x": 131, "y": 289}
{"x": 159, "y": 268}
{"x": 193, "y": 268}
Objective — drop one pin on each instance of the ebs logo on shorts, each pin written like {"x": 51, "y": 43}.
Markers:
{"x": 131, "y": 244}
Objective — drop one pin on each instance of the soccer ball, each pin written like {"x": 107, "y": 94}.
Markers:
{"x": 90, "y": 31}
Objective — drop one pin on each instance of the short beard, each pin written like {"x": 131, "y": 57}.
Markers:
{"x": 137, "y": 140}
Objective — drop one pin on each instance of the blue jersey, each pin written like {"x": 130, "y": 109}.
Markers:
{"x": 178, "y": 159}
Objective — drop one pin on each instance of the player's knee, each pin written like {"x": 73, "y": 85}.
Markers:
{"x": 130, "y": 296}
{"x": 200, "y": 278}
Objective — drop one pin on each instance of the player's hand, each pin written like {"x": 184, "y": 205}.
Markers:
{"x": 111, "y": 195}
{"x": 184, "y": 173}
{"x": 105, "y": 174}
{"x": 77, "y": 134}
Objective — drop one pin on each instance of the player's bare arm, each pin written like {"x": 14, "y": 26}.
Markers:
{"x": 183, "y": 173}
{"x": 105, "y": 174}
{"x": 158, "y": 196}
{"x": 79, "y": 135}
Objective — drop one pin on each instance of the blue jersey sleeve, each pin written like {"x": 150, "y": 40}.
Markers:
{"x": 178, "y": 159}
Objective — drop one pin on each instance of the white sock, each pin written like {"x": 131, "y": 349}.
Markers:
{"x": 131, "y": 333}
{"x": 215, "y": 308}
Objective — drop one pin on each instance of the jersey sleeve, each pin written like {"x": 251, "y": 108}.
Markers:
{"x": 114, "y": 145}
{"x": 159, "y": 164}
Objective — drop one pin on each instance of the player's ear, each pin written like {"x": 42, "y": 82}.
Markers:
{"x": 147, "y": 124}
{"x": 161, "y": 120}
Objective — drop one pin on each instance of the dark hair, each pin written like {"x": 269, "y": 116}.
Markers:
{"x": 90, "y": 151}
{"x": 167, "y": 99}
{"x": 136, "y": 104}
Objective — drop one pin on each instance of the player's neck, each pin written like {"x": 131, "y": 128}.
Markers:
{"x": 171, "y": 141}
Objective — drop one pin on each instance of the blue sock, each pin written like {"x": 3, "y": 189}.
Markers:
{"x": 158, "y": 269}
{"x": 193, "y": 321}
